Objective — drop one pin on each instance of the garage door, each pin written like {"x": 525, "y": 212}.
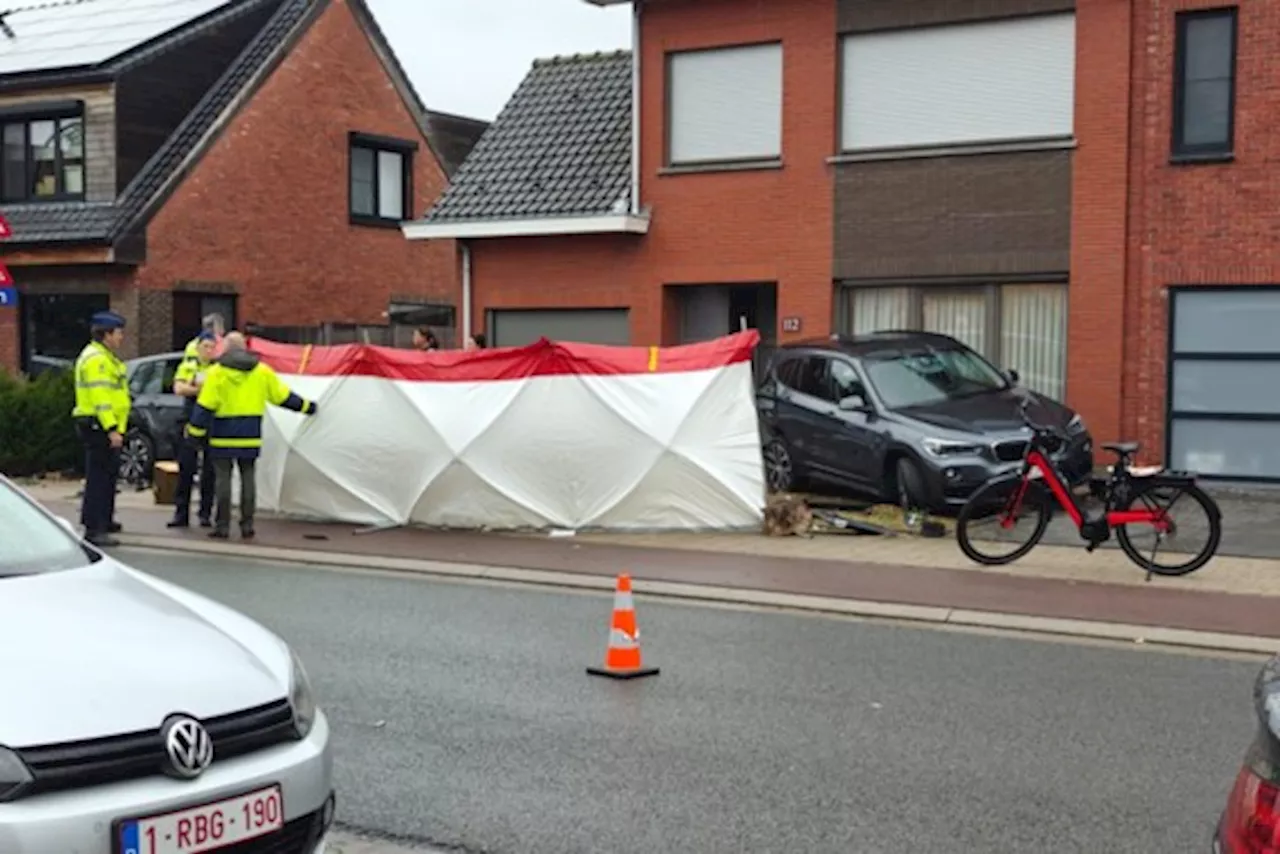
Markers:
{"x": 1225, "y": 382}
{"x": 517, "y": 327}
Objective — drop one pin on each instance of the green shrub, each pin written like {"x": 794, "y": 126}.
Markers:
{"x": 37, "y": 434}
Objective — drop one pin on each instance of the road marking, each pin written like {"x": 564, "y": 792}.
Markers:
{"x": 742, "y": 598}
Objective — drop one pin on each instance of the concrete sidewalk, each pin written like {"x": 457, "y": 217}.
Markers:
{"x": 1230, "y": 604}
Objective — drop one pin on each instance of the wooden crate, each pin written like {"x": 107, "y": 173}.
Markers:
{"x": 164, "y": 482}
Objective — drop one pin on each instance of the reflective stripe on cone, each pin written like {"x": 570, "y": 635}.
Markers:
{"x": 622, "y": 659}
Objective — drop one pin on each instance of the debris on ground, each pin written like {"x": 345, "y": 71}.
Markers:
{"x": 803, "y": 515}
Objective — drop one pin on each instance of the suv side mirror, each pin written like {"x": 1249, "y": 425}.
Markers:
{"x": 854, "y": 403}
{"x": 1012, "y": 375}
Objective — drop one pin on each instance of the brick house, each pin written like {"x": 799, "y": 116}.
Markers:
{"x": 253, "y": 157}
{"x": 759, "y": 194}
{"x": 1202, "y": 357}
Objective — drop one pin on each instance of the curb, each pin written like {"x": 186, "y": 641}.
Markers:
{"x": 1025, "y": 623}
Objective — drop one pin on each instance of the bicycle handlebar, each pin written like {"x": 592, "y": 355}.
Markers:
{"x": 1043, "y": 429}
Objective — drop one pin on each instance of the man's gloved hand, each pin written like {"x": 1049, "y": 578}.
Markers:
{"x": 315, "y": 407}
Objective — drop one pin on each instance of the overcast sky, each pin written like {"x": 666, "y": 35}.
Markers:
{"x": 468, "y": 56}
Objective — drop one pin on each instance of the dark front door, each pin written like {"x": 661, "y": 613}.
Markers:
{"x": 190, "y": 309}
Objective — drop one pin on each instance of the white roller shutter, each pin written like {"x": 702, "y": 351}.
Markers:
{"x": 965, "y": 83}
{"x": 725, "y": 104}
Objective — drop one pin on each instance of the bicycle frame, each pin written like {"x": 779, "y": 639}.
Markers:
{"x": 1038, "y": 466}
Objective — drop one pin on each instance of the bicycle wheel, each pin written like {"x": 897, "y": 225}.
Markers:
{"x": 992, "y": 515}
{"x": 1205, "y": 521}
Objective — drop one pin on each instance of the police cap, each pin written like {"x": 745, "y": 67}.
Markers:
{"x": 107, "y": 320}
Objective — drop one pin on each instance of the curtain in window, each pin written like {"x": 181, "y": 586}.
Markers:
{"x": 877, "y": 309}
{"x": 960, "y": 314}
{"x": 1033, "y": 336}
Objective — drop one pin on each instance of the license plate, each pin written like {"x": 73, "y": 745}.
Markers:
{"x": 207, "y": 827}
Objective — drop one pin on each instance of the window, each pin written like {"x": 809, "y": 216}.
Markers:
{"x": 1019, "y": 326}
{"x": 724, "y": 105}
{"x": 31, "y": 542}
{"x": 1204, "y": 83}
{"x": 56, "y": 326}
{"x": 43, "y": 159}
{"x": 993, "y": 81}
{"x": 381, "y": 172}
{"x": 908, "y": 379}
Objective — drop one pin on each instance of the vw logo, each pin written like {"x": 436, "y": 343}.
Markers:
{"x": 188, "y": 746}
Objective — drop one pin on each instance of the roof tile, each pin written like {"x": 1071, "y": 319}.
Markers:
{"x": 560, "y": 147}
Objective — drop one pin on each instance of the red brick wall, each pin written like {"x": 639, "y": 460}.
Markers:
{"x": 1096, "y": 332}
{"x": 266, "y": 208}
{"x": 718, "y": 228}
{"x": 1212, "y": 224}
{"x": 9, "y": 339}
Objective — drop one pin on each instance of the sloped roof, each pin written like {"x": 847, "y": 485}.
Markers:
{"x": 40, "y": 36}
{"x": 560, "y": 147}
{"x": 42, "y": 222}
{"x": 450, "y": 137}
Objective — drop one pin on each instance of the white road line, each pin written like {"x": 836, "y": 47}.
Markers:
{"x": 683, "y": 593}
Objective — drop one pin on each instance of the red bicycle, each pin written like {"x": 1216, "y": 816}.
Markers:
{"x": 1130, "y": 503}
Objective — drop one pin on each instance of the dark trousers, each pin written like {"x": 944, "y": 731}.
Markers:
{"x": 101, "y": 472}
{"x": 248, "y": 491}
{"x": 190, "y": 459}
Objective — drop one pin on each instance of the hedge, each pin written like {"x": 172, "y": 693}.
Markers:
{"x": 36, "y": 431}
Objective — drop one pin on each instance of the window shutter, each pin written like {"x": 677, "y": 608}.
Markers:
{"x": 967, "y": 83}
{"x": 725, "y": 104}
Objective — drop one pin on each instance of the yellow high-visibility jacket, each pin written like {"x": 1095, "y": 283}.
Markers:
{"x": 102, "y": 388}
{"x": 233, "y": 400}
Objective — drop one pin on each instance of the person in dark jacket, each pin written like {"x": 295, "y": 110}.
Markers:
{"x": 228, "y": 415}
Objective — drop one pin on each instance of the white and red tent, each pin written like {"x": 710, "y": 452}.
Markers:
{"x": 552, "y": 435}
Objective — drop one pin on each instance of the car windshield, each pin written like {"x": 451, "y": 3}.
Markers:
{"x": 31, "y": 541}
{"x": 907, "y": 378}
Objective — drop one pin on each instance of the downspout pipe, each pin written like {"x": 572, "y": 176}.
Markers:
{"x": 466, "y": 289}
{"x": 636, "y": 6}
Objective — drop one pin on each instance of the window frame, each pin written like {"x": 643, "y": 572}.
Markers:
{"x": 993, "y": 294}
{"x": 1179, "y": 149}
{"x": 755, "y": 161}
{"x": 375, "y": 145}
{"x": 24, "y": 116}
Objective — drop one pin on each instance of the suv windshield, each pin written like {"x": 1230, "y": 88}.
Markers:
{"x": 30, "y": 541}
{"x": 904, "y": 379}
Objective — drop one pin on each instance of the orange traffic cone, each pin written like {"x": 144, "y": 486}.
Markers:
{"x": 622, "y": 657}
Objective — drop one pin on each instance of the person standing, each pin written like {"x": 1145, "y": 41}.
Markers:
{"x": 228, "y": 414}
{"x": 212, "y": 325}
{"x": 424, "y": 339}
{"x": 101, "y": 416}
{"x": 191, "y": 456}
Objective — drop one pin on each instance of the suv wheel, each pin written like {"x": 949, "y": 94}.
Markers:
{"x": 137, "y": 459}
{"x": 911, "y": 492}
{"x": 779, "y": 469}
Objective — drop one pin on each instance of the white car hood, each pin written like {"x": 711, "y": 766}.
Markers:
{"x": 104, "y": 651}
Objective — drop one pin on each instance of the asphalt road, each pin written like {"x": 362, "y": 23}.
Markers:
{"x": 464, "y": 720}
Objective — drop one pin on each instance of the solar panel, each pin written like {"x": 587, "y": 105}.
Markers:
{"x": 70, "y": 33}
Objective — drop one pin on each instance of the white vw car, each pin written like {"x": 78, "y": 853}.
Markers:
{"x": 137, "y": 717}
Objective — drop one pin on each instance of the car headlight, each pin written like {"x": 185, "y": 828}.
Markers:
{"x": 1075, "y": 426}
{"x": 301, "y": 699}
{"x": 15, "y": 776}
{"x": 950, "y": 448}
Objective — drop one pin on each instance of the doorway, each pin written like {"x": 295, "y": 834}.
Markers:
{"x": 190, "y": 309}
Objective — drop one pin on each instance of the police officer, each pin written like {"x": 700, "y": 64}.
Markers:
{"x": 101, "y": 417}
{"x": 228, "y": 414}
{"x": 186, "y": 384}
{"x": 211, "y": 325}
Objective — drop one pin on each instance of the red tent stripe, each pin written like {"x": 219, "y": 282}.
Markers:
{"x": 542, "y": 358}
